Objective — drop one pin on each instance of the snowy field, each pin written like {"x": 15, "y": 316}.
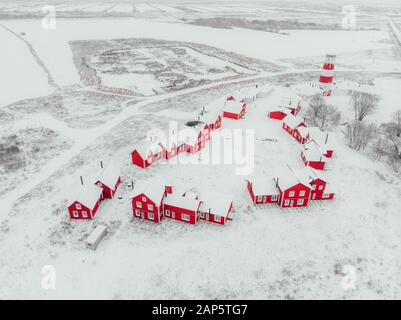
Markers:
{"x": 57, "y": 122}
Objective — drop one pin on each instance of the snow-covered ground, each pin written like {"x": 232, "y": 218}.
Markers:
{"x": 50, "y": 137}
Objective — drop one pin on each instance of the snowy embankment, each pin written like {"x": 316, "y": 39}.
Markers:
{"x": 21, "y": 77}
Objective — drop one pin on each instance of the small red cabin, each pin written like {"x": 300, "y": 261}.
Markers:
{"x": 312, "y": 157}
{"x": 215, "y": 208}
{"x": 147, "y": 203}
{"x": 294, "y": 191}
{"x": 319, "y": 185}
{"x": 234, "y": 110}
{"x": 147, "y": 154}
{"x": 109, "y": 181}
{"x": 181, "y": 208}
{"x": 279, "y": 114}
{"x": 87, "y": 203}
{"x": 323, "y": 140}
{"x": 263, "y": 190}
{"x": 301, "y": 134}
{"x": 290, "y": 123}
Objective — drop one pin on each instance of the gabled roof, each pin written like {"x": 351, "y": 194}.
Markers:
{"x": 310, "y": 174}
{"x": 179, "y": 201}
{"x": 233, "y": 106}
{"x": 324, "y": 139}
{"x": 89, "y": 195}
{"x": 218, "y": 204}
{"x": 149, "y": 146}
{"x": 292, "y": 121}
{"x": 109, "y": 176}
{"x": 314, "y": 154}
{"x": 303, "y": 131}
{"x": 289, "y": 177}
{"x": 154, "y": 190}
{"x": 262, "y": 186}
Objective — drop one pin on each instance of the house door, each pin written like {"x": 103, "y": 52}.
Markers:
{"x": 207, "y": 216}
{"x": 313, "y": 196}
{"x": 172, "y": 215}
{"x": 291, "y": 203}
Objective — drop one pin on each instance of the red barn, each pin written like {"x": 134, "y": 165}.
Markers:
{"x": 86, "y": 204}
{"x": 290, "y": 123}
{"x": 147, "y": 154}
{"x": 294, "y": 191}
{"x": 109, "y": 181}
{"x": 215, "y": 208}
{"x": 263, "y": 190}
{"x": 181, "y": 208}
{"x": 319, "y": 185}
{"x": 147, "y": 203}
{"x": 312, "y": 157}
{"x": 234, "y": 110}
{"x": 279, "y": 114}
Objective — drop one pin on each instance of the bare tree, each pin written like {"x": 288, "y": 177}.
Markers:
{"x": 320, "y": 114}
{"x": 391, "y": 131}
{"x": 363, "y": 104}
{"x": 359, "y": 135}
{"x": 397, "y": 122}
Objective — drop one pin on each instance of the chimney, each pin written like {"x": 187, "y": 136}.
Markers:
{"x": 82, "y": 180}
{"x": 132, "y": 185}
{"x": 101, "y": 164}
{"x": 327, "y": 137}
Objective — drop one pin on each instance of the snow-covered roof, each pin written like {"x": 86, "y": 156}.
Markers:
{"x": 292, "y": 121}
{"x": 289, "y": 177}
{"x": 281, "y": 109}
{"x": 314, "y": 154}
{"x": 309, "y": 174}
{"x": 95, "y": 234}
{"x": 149, "y": 146}
{"x": 179, "y": 201}
{"x": 324, "y": 139}
{"x": 233, "y": 106}
{"x": 215, "y": 203}
{"x": 154, "y": 190}
{"x": 303, "y": 131}
{"x": 263, "y": 186}
{"x": 191, "y": 194}
{"x": 109, "y": 176}
{"x": 89, "y": 195}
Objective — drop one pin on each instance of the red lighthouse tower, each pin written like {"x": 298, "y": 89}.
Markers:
{"x": 326, "y": 78}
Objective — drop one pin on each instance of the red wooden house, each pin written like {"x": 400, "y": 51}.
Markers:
{"x": 263, "y": 190}
{"x": 147, "y": 203}
{"x": 290, "y": 123}
{"x": 87, "y": 202}
{"x": 215, "y": 208}
{"x": 147, "y": 154}
{"x": 301, "y": 134}
{"x": 320, "y": 189}
{"x": 312, "y": 157}
{"x": 170, "y": 149}
{"x": 294, "y": 191}
{"x": 109, "y": 181}
{"x": 324, "y": 141}
{"x": 179, "y": 207}
{"x": 234, "y": 110}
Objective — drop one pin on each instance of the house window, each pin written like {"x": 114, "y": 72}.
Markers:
{"x": 167, "y": 212}
{"x": 75, "y": 214}
{"x": 274, "y": 198}
{"x": 217, "y": 218}
{"x": 300, "y": 202}
{"x": 84, "y": 214}
{"x": 139, "y": 204}
{"x": 143, "y": 199}
{"x": 259, "y": 198}
{"x": 291, "y": 194}
{"x": 302, "y": 193}
{"x": 151, "y": 216}
{"x": 264, "y": 199}
{"x": 325, "y": 195}
{"x": 202, "y": 215}
{"x": 78, "y": 206}
{"x": 137, "y": 213}
{"x": 185, "y": 217}
{"x": 150, "y": 207}
{"x": 320, "y": 187}
{"x": 173, "y": 214}
{"x": 286, "y": 202}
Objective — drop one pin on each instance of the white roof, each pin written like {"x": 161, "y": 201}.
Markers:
{"x": 213, "y": 111}
{"x": 177, "y": 200}
{"x": 154, "y": 190}
{"x": 233, "y": 106}
{"x": 190, "y": 194}
{"x": 95, "y": 234}
{"x": 282, "y": 109}
{"x": 89, "y": 195}
{"x": 292, "y": 121}
{"x": 303, "y": 131}
{"x": 314, "y": 154}
{"x": 263, "y": 186}
{"x": 289, "y": 177}
{"x": 324, "y": 139}
{"x": 110, "y": 175}
{"x": 147, "y": 146}
{"x": 218, "y": 204}
{"x": 309, "y": 174}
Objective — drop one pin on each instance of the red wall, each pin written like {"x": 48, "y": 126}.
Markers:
{"x": 90, "y": 213}
{"x": 178, "y": 212}
{"x": 285, "y": 195}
